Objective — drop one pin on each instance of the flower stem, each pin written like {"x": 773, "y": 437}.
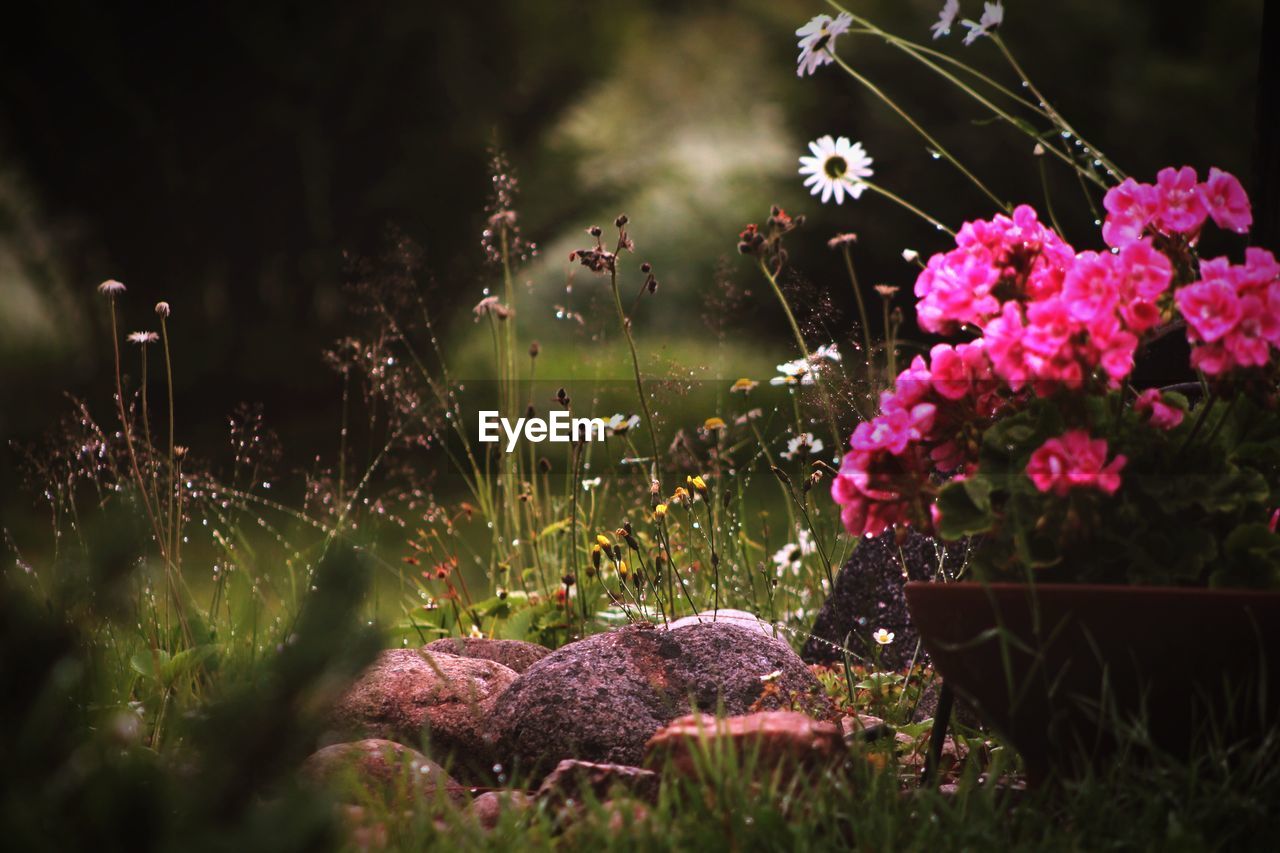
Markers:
{"x": 901, "y": 202}
{"x": 935, "y": 144}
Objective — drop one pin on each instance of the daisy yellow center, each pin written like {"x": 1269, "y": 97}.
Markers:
{"x": 835, "y": 167}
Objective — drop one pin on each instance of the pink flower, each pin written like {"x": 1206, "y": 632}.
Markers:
{"x": 1115, "y": 346}
{"x": 1213, "y": 358}
{"x": 1140, "y": 315}
{"x": 1160, "y": 414}
{"x": 893, "y": 430}
{"x": 1227, "y": 201}
{"x": 1091, "y": 286}
{"x": 1074, "y": 460}
{"x": 1179, "y": 204}
{"x": 1147, "y": 272}
{"x": 1130, "y": 208}
{"x": 870, "y": 489}
{"x": 1260, "y": 269}
{"x": 1250, "y": 341}
{"x": 1003, "y": 337}
{"x": 1049, "y": 327}
{"x": 1210, "y": 307}
{"x": 912, "y": 386}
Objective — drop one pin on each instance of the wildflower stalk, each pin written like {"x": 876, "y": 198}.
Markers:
{"x": 168, "y": 371}
{"x": 786, "y": 309}
{"x": 903, "y": 203}
{"x": 1052, "y": 113}
{"x": 862, "y": 306}
{"x": 922, "y": 54}
{"x": 772, "y": 278}
{"x": 635, "y": 360}
{"x": 928, "y": 137}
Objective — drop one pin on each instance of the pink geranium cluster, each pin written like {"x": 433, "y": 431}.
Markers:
{"x": 993, "y": 261}
{"x": 920, "y": 430}
{"x": 1051, "y": 318}
{"x": 1233, "y": 312}
{"x": 1074, "y": 460}
{"x": 1177, "y": 203}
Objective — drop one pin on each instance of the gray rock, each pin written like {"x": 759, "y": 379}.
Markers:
{"x": 489, "y": 807}
{"x": 513, "y": 654}
{"x": 572, "y": 778}
{"x": 601, "y": 698}
{"x": 384, "y": 768}
{"x": 724, "y": 614}
{"x": 868, "y": 595}
{"x": 407, "y": 695}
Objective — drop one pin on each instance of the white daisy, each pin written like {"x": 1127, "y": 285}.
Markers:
{"x": 830, "y": 352}
{"x": 817, "y": 39}
{"x": 882, "y": 636}
{"x": 836, "y": 167}
{"x": 143, "y": 337}
{"x": 791, "y": 555}
{"x": 992, "y": 17}
{"x": 795, "y": 372}
{"x": 946, "y": 18}
{"x": 619, "y": 424}
{"x": 802, "y": 445}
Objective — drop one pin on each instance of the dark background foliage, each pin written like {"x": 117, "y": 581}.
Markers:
{"x": 227, "y": 156}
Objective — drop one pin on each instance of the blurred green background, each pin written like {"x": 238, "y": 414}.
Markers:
{"x": 228, "y": 157}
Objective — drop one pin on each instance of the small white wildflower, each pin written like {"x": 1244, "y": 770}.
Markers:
{"x": 992, "y": 18}
{"x": 946, "y": 18}
{"x": 619, "y": 424}
{"x": 801, "y": 446}
{"x": 1038, "y": 150}
{"x": 143, "y": 337}
{"x": 817, "y": 41}
{"x": 791, "y": 555}
{"x": 111, "y": 287}
{"x": 475, "y": 632}
{"x": 588, "y": 485}
{"x": 837, "y": 167}
{"x": 798, "y": 372}
{"x": 829, "y": 352}
{"x": 910, "y": 255}
{"x": 882, "y": 636}
{"x": 162, "y": 308}
{"x": 771, "y": 676}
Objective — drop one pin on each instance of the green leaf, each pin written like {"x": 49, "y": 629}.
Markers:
{"x": 517, "y": 627}
{"x": 144, "y": 663}
{"x": 965, "y": 507}
{"x": 1252, "y": 558}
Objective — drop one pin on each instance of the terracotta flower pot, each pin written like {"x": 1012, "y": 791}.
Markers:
{"x": 1058, "y": 669}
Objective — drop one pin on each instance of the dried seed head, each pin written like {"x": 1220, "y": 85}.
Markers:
{"x": 646, "y": 267}
{"x": 544, "y": 465}
{"x": 595, "y": 231}
{"x": 534, "y": 349}
{"x": 621, "y": 221}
